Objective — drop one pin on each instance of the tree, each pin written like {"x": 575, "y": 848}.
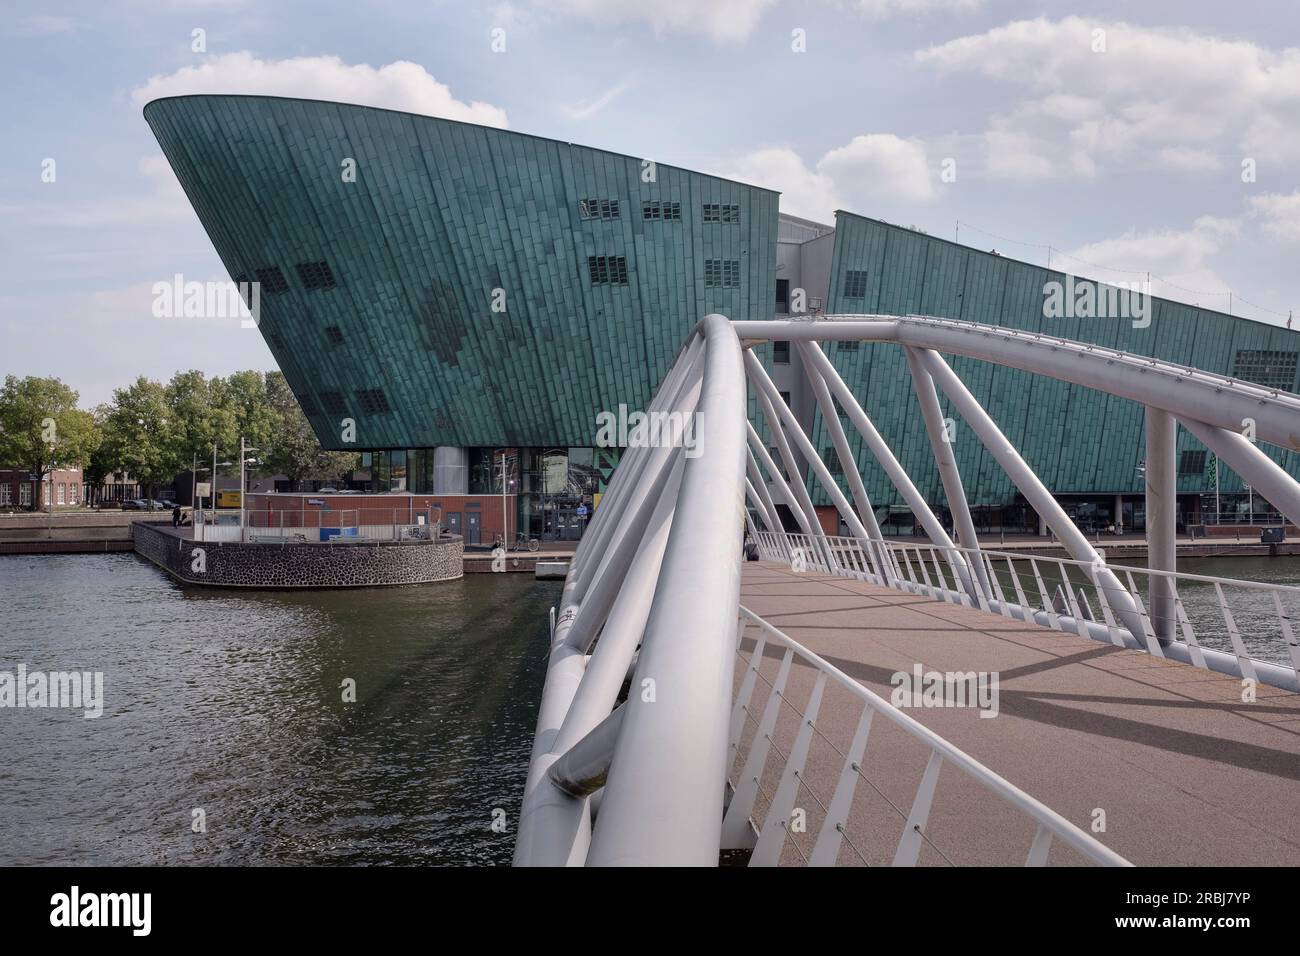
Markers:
{"x": 293, "y": 449}
{"x": 140, "y": 436}
{"x": 42, "y": 428}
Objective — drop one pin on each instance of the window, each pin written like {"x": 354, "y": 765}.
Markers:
{"x": 783, "y": 295}
{"x": 781, "y": 353}
{"x": 277, "y": 341}
{"x": 780, "y": 464}
{"x": 374, "y": 402}
{"x": 72, "y": 492}
{"x": 661, "y": 211}
{"x": 5, "y": 492}
{"x": 721, "y": 273}
{"x": 334, "y": 334}
{"x": 607, "y": 270}
{"x": 63, "y": 493}
{"x": 598, "y": 208}
{"x": 25, "y": 494}
{"x": 721, "y": 212}
{"x": 1192, "y": 462}
{"x": 332, "y": 402}
{"x": 316, "y": 275}
{"x": 308, "y": 405}
{"x": 1269, "y": 369}
{"x": 849, "y": 346}
{"x": 272, "y": 280}
{"x": 855, "y": 285}
{"x": 785, "y": 397}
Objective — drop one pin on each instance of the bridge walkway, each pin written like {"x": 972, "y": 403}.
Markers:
{"x": 1184, "y": 771}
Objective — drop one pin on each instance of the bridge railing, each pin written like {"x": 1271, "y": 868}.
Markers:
{"x": 808, "y": 815}
{"x": 1242, "y": 628}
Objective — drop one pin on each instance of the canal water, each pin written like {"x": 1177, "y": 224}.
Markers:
{"x": 230, "y": 703}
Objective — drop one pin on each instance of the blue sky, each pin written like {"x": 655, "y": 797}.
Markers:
{"x": 1122, "y": 149}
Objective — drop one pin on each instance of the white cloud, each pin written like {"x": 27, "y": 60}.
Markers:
{"x": 1169, "y": 98}
{"x": 880, "y": 9}
{"x": 804, "y": 192}
{"x": 873, "y": 166}
{"x": 588, "y": 109}
{"x": 1180, "y": 261}
{"x": 400, "y": 85}
{"x": 1281, "y": 214}
{"x": 880, "y": 166}
{"x": 43, "y": 25}
{"x": 721, "y": 20}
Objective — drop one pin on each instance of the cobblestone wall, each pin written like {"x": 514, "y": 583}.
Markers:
{"x": 300, "y": 565}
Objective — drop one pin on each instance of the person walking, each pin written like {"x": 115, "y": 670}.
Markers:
{"x": 176, "y": 516}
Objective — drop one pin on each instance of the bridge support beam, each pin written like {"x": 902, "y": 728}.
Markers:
{"x": 848, "y": 464}
{"x": 1023, "y": 477}
{"x": 1259, "y": 471}
{"x": 941, "y": 446}
{"x": 1162, "y": 517}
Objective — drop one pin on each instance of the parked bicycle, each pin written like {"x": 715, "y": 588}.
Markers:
{"x": 522, "y": 543}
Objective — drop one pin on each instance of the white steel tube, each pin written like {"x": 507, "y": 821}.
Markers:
{"x": 1162, "y": 516}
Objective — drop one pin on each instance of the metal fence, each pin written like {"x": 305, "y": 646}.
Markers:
{"x": 1243, "y": 628}
{"x": 320, "y": 527}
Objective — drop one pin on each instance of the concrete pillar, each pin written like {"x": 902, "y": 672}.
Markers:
{"x": 1119, "y": 513}
{"x": 1162, "y": 516}
{"x": 450, "y": 471}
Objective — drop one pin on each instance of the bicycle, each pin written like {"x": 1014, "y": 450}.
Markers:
{"x": 522, "y": 543}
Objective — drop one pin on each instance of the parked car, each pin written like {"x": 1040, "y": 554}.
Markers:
{"x": 135, "y": 504}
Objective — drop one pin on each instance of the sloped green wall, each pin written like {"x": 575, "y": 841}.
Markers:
{"x": 440, "y": 214}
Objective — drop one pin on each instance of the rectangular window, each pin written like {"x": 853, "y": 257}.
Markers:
{"x": 25, "y": 494}
{"x": 721, "y": 273}
{"x": 607, "y": 270}
{"x": 72, "y": 492}
{"x": 598, "y": 208}
{"x": 374, "y": 402}
{"x": 781, "y": 353}
{"x": 849, "y": 346}
{"x": 272, "y": 280}
{"x": 783, "y": 295}
{"x": 316, "y": 275}
{"x": 332, "y": 402}
{"x": 832, "y": 460}
{"x": 5, "y": 499}
{"x": 655, "y": 210}
{"x": 1192, "y": 462}
{"x": 63, "y": 494}
{"x": 855, "y": 285}
{"x": 785, "y": 397}
{"x": 721, "y": 212}
{"x": 1267, "y": 368}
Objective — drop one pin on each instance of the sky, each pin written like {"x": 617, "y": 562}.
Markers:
{"x": 1110, "y": 139}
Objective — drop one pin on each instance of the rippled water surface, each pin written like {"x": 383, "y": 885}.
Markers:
{"x": 231, "y": 702}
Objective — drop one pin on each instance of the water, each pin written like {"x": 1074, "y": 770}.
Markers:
{"x": 230, "y": 702}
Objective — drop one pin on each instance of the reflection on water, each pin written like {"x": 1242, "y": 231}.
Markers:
{"x": 230, "y": 702}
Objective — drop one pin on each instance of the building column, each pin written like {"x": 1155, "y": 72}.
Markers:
{"x": 1119, "y": 513}
{"x": 1162, "y": 516}
{"x": 450, "y": 471}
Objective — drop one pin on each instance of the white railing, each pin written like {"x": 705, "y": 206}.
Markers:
{"x": 797, "y": 786}
{"x": 1243, "y": 628}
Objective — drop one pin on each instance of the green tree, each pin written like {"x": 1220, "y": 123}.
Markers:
{"x": 293, "y": 450}
{"x": 41, "y": 426}
{"x": 140, "y": 435}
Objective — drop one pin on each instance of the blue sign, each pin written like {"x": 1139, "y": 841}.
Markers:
{"x": 582, "y": 511}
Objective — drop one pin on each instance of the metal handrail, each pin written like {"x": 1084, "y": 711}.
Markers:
{"x": 1050, "y": 823}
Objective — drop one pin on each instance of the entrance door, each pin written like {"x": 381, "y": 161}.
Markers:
{"x": 472, "y": 519}
{"x": 453, "y": 522}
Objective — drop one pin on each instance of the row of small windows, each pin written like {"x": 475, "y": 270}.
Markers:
{"x": 598, "y": 208}
{"x": 1192, "y": 462}
{"x": 655, "y": 209}
{"x": 313, "y": 275}
{"x": 1267, "y": 368}
{"x": 661, "y": 210}
{"x": 334, "y": 334}
{"x": 721, "y": 212}
{"x": 373, "y": 401}
{"x": 855, "y": 285}
{"x": 607, "y": 270}
{"x": 721, "y": 273}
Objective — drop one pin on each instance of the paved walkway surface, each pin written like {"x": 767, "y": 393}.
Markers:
{"x": 1184, "y": 772}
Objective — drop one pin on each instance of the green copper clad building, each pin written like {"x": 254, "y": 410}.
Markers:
{"x": 457, "y": 290}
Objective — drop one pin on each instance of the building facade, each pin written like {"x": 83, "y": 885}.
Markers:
{"x": 461, "y": 302}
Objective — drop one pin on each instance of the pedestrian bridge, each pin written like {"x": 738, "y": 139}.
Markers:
{"x": 850, "y": 700}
